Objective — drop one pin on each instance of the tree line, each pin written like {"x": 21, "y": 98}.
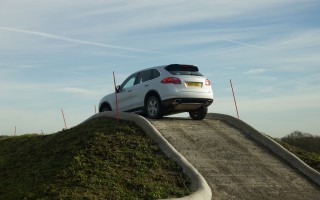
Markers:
{"x": 304, "y": 141}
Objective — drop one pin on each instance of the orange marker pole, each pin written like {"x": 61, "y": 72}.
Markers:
{"x": 65, "y": 124}
{"x": 234, "y": 98}
{"x": 116, "y": 94}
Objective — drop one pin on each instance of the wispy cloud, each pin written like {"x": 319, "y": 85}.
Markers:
{"x": 104, "y": 53}
{"x": 246, "y": 44}
{"x": 301, "y": 39}
{"x": 57, "y": 37}
{"x": 77, "y": 91}
{"x": 255, "y": 71}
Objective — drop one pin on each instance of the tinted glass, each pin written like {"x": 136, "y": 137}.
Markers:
{"x": 144, "y": 76}
{"x": 129, "y": 81}
{"x": 154, "y": 73}
{"x": 176, "y": 69}
{"x": 147, "y": 75}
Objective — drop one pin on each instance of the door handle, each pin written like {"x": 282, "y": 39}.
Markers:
{"x": 129, "y": 90}
{"x": 146, "y": 85}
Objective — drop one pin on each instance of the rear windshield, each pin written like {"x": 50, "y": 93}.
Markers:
{"x": 176, "y": 69}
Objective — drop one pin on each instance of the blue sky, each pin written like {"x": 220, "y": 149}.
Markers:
{"x": 60, "y": 55}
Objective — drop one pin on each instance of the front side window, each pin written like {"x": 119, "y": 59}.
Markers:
{"x": 129, "y": 82}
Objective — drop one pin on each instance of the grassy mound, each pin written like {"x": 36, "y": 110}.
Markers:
{"x": 310, "y": 158}
{"x": 101, "y": 159}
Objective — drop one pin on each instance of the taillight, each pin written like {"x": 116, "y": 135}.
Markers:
{"x": 172, "y": 80}
{"x": 207, "y": 82}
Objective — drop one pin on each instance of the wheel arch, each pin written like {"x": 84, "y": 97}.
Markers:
{"x": 103, "y": 105}
{"x": 150, "y": 93}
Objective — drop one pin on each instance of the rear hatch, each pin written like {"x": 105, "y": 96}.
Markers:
{"x": 191, "y": 79}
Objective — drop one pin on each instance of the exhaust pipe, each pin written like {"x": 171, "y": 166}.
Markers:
{"x": 177, "y": 101}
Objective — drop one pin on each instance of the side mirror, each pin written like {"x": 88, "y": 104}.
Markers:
{"x": 118, "y": 88}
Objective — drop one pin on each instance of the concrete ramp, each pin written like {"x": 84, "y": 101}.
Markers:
{"x": 234, "y": 164}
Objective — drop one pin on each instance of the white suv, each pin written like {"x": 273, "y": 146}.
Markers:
{"x": 163, "y": 90}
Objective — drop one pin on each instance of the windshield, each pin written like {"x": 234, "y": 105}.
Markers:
{"x": 176, "y": 69}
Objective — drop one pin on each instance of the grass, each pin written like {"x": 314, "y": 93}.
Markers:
{"x": 101, "y": 159}
{"x": 310, "y": 158}
{"x": 305, "y": 146}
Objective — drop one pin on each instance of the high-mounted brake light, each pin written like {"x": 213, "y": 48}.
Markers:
{"x": 172, "y": 80}
{"x": 207, "y": 82}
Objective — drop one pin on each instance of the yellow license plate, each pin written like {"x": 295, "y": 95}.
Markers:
{"x": 193, "y": 84}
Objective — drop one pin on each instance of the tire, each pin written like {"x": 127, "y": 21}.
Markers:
{"x": 153, "y": 108}
{"x": 199, "y": 114}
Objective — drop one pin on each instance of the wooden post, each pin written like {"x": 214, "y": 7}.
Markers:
{"x": 116, "y": 94}
{"x": 64, "y": 119}
{"x": 234, "y": 98}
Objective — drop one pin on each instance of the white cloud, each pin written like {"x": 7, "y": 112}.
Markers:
{"x": 51, "y": 36}
{"x": 105, "y": 53}
{"x": 77, "y": 91}
{"x": 246, "y": 44}
{"x": 301, "y": 39}
{"x": 256, "y": 71}
{"x": 126, "y": 15}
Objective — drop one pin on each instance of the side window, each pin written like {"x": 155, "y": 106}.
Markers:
{"x": 129, "y": 81}
{"x": 154, "y": 73}
{"x": 144, "y": 76}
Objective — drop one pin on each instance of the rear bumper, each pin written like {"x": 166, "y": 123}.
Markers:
{"x": 185, "y": 104}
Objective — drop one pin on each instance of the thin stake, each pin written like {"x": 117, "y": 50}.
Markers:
{"x": 234, "y": 98}
{"x": 95, "y": 109}
{"x": 116, "y": 94}
{"x": 65, "y": 124}
{"x": 15, "y": 131}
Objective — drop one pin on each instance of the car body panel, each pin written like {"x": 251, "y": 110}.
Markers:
{"x": 191, "y": 94}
